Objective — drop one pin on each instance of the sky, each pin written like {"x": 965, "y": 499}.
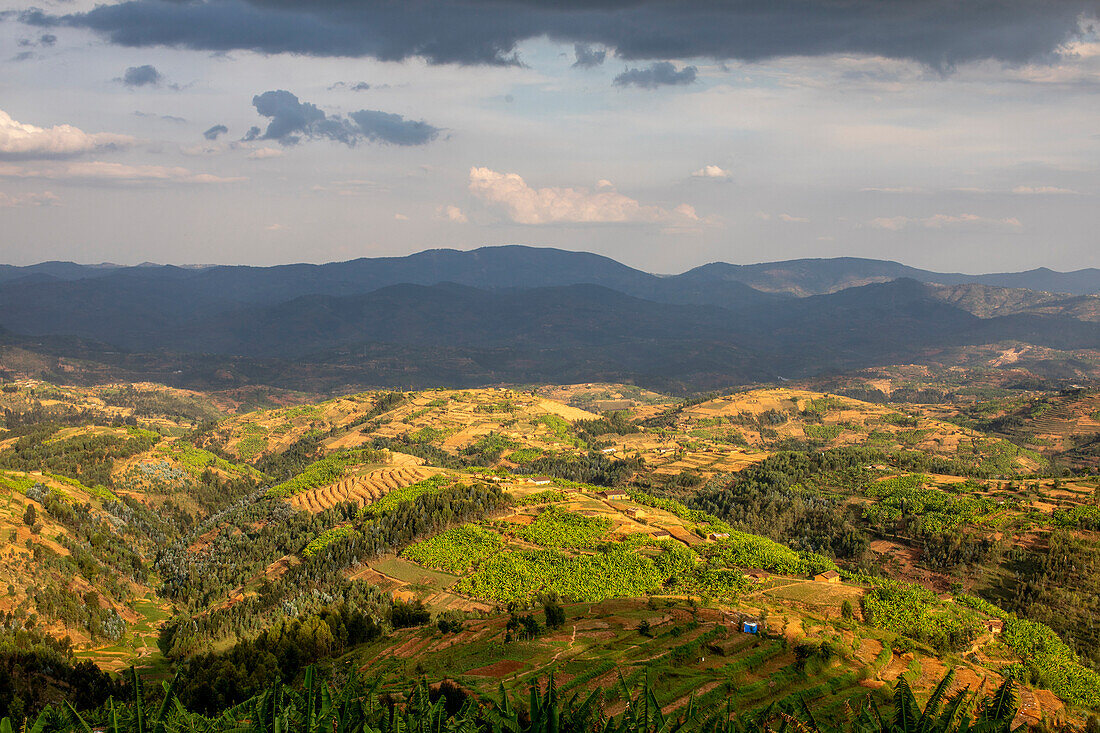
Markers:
{"x": 954, "y": 136}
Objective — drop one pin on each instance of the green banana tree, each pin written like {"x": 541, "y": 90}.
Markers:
{"x": 355, "y": 707}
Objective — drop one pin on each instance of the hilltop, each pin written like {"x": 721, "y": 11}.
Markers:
{"x": 424, "y": 530}
{"x": 523, "y": 315}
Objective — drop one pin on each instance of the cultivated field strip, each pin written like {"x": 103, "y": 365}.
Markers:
{"x": 361, "y": 489}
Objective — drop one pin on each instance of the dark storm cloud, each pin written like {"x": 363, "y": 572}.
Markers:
{"x": 140, "y": 76}
{"x": 657, "y": 74}
{"x": 940, "y": 33}
{"x": 292, "y": 120}
{"x": 391, "y": 128}
{"x": 213, "y": 132}
{"x": 587, "y": 57}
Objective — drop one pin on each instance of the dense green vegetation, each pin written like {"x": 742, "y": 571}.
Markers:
{"x": 37, "y": 670}
{"x": 325, "y": 471}
{"x": 355, "y": 707}
{"x": 745, "y": 550}
{"x": 455, "y": 550}
{"x": 520, "y": 575}
{"x": 704, "y": 519}
{"x": 593, "y": 468}
{"x": 788, "y": 498}
{"x": 214, "y": 681}
{"x": 405, "y": 494}
{"x": 1056, "y": 583}
{"x": 86, "y": 457}
{"x": 915, "y": 612}
{"x": 556, "y": 528}
{"x": 906, "y": 505}
{"x": 1047, "y": 660}
{"x": 149, "y": 402}
{"x": 271, "y": 588}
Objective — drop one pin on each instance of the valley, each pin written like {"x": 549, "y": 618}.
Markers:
{"x": 428, "y": 533}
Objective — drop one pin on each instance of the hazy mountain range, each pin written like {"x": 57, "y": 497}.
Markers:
{"x": 536, "y": 314}
{"x": 518, "y": 266}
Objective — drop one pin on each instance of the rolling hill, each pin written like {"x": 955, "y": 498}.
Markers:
{"x": 417, "y": 533}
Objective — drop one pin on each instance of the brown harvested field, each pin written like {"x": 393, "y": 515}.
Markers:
{"x": 352, "y": 439}
{"x": 688, "y": 538}
{"x": 375, "y": 578}
{"x": 456, "y": 419}
{"x": 602, "y": 396}
{"x": 569, "y": 413}
{"x": 279, "y": 568}
{"x": 451, "y": 602}
{"x": 816, "y": 594}
{"x": 903, "y": 562}
{"x": 846, "y": 421}
{"x": 497, "y": 670}
{"x": 465, "y": 436}
{"x": 897, "y": 666}
{"x": 363, "y": 489}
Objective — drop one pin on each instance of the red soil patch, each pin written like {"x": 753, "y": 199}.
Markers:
{"x": 497, "y": 670}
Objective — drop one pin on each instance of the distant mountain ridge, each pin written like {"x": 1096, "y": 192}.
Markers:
{"x": 520, "y": 266}
{"x": 524, "y": 314}
{"x": 820, "y": 276}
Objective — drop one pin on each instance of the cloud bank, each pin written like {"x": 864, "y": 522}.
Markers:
{"x": 46, "y": 198}
{"x": 943, "y": 221}
{"x": 521, "y": 204}
{"x": 93, "y": 171}
{"x": 587, "y": 57}
{"x": 657, "y": 74}
{"x": 142, "y": 76}
{"x": 20, "y": 141}
{"x": 293, "y": 120}
{"x": 938, "y": 33}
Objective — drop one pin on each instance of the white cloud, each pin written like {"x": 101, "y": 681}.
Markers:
{"x": 113, "y": 172}
{"x": 892, "y": 189}
{"x": 274, "y": 227}
{"x": 711, "y": 171}
{"x": 942, "y": 221}
{"x": 46, "y": 198}
{"x": 22, "y": 141}
{"x": 453, "y": 213}
{"x": 400, "y": 217}
{"x": 263, "y": 153}
{"x": 1041, "y": 190}
{"x": 525, "y": 205}
{"x": 893, "y": 223}
{"x": 939, "y": 221}
{"x": 789, "y": 218}
{"x": 203, "y": 149}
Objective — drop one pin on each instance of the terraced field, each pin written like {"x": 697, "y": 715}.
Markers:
{"x": 362, "y": 490}
{"x": 687, "y": 653}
